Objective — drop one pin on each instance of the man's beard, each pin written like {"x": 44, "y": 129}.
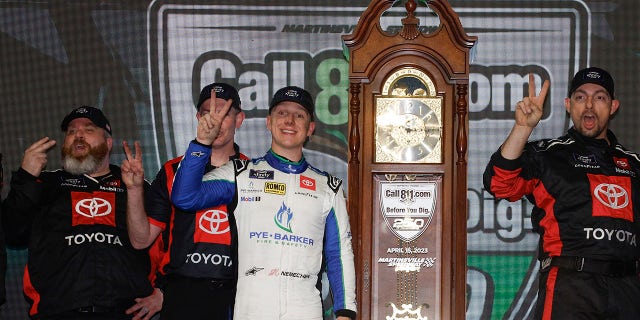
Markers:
{"x": 84, "y": 164}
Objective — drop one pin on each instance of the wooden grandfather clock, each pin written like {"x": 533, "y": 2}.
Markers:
{"x": 408, "y": 134}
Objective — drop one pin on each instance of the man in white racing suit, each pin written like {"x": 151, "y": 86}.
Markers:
{"x": 291, "y": 217}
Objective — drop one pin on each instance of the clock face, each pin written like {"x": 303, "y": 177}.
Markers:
{"x": 408, "y": 130}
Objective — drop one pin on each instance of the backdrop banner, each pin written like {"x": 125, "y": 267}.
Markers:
{"x": 144, "y": 63}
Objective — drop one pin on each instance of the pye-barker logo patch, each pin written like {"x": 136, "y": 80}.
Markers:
{"x": 283, "y": 218}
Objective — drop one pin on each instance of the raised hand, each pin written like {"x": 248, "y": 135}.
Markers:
{"x": 35, "y": 157}
{"x": 528, "y": 115}
{"x": 132, "y": 169}
{"x": 529, "y": 110}
{"x": 210, "y": 123}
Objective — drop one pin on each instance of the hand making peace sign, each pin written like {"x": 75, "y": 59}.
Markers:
{"x": 529, "y": 110}
{"x": 210, "y": 123}
{"x": 132, "y": 169}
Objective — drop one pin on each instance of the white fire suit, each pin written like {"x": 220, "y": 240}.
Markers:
{"x": 290, "y": 216}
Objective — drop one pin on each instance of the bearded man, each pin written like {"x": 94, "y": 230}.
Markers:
{"x": 81, "y": 263}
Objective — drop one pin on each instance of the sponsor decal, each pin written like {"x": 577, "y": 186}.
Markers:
{"x": 334, "y": 183}
{"x": 212, "y": 226}
{"x": 251, "y": 189}
{"x": 307, "y": 183}
{"x": 73, "y": 182}
{"x": 253, "y": 271}
{"x": 611, "y": 196}
{"x": 585, "y": 161}
{"x": 261, "y": 174}
{"x": 96, "y": 237}
{"x": 306, "y": 194}
{"x": 277, "y": 272}
{"x": 93, "y": 208}
{"x": 280, "y": 238}
{"x": 622, "y": 163}
{"x": 546, "y": 263}
{"x": 114, "y": 183}
{"x": 111, "y": 189}
{"x": 197, "y": 154}
{"x": 623, "y": 236}
{"x": 283, "y": 218}
{"x": 208, "y": 258}
{"x": 275, "y": 188}
{"x": 249, "y": 199}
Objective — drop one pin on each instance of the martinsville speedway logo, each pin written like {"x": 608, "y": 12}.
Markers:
{"x": 303, "y": 47}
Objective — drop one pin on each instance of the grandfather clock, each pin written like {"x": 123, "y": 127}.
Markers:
{"x": 408, "y": 133}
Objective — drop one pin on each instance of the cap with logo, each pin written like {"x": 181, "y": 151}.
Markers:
{"x": 94, "y": 114}
{"x": 223, "y": 91}
{"x": 593, "y": 75}
{"x": 294, "y": 94}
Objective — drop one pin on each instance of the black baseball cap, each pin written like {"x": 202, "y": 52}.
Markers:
{"x": 593, "y": 75}
{"x": 94, "y": 114}
{"x": 223, "y": 91}
{"x": 294, "y": 94}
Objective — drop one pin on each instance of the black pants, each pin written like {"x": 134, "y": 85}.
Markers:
{"x": 570, "y": 294}
{"x": 192, "y": 298}
{"x": 83, "y": 315}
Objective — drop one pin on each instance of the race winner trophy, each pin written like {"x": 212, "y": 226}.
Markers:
{"x": 408, "y": 133}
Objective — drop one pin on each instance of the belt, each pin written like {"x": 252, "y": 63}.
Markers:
{"x": 211, "y": 282}
{"x": 98, "y": 309}
{"x": 581, "y": 264}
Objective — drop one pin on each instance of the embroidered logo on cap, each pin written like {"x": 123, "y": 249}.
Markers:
{"x": 292, "y": 93}
{"x": 593, "y": 75}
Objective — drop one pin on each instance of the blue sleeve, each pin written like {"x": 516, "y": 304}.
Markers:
{"x": 191, "y": 191}
{"x": 339, "y": 258}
